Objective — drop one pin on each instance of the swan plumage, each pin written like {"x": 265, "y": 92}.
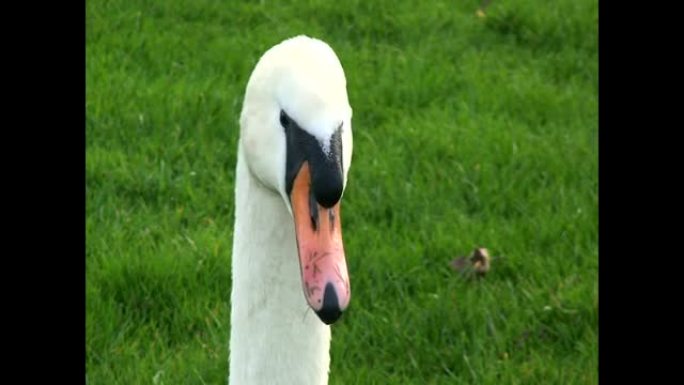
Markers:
{"x": 294, "y": 154}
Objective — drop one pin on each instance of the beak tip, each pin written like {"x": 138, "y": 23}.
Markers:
{"x": 330, "y": 311}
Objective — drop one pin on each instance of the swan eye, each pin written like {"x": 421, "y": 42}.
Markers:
{"x": 284, "y": 119}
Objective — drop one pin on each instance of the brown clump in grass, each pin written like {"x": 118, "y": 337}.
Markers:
{"x": 478, "y": 263}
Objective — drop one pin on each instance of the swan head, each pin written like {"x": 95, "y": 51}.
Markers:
{"x": 296, "y": 137}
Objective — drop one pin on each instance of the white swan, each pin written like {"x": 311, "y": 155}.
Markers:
{"x": 294, "y": 153}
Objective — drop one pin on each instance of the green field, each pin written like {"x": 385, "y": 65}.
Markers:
{"x": 468, "y": 132}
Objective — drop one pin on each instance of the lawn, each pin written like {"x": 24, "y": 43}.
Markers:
{"x": 468, "y": 131}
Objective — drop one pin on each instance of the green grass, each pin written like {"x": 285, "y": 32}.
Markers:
{"x": 467, "y": 132}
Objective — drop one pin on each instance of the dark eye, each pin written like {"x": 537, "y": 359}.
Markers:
{"x": 284, "y": 119}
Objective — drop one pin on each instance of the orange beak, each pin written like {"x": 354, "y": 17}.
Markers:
{"x": 321, "y": 253}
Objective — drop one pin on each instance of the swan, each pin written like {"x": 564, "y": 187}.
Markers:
{"x": 289, "y": 273}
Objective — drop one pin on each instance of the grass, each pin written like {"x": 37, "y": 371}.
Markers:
{"x": 468, "y": 132}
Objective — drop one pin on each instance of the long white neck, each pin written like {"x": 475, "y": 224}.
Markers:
{"x": 275, "y": 337}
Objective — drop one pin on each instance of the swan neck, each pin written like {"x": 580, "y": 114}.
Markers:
{"x": 275, "y": 337}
